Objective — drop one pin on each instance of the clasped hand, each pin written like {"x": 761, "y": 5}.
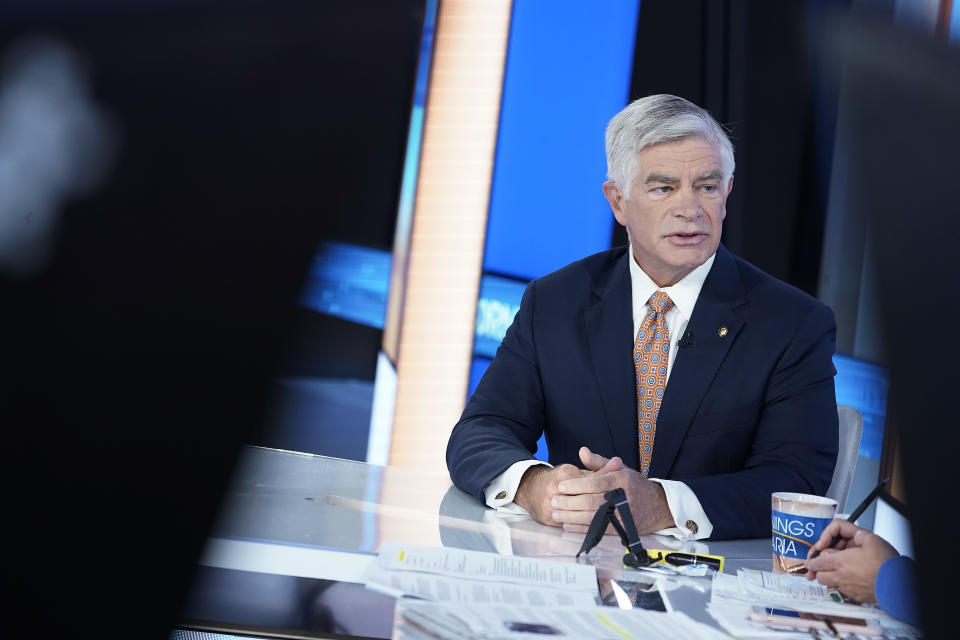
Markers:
{"x": 567, "y": 496}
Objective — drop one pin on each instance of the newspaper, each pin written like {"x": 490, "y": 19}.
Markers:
{"x": 787, "y": 591}
{"x": 436, "y": 588}
{"x": 425, "y": 620}
{"x": 460, "y": 576}
{"x": 732, "y": 598}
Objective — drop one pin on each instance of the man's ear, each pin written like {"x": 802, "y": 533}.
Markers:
{"x": 729, "y": 185}
{"x": 612, "y": 193}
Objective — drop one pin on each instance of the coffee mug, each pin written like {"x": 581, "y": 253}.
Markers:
{"x": 798, "y": 519}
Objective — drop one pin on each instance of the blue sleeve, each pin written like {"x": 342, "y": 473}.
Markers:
{"x": 896, "y": 589}
{"x": 505, "y": 415}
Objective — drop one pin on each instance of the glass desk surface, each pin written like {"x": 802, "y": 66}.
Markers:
{"x": 296, "y": 532}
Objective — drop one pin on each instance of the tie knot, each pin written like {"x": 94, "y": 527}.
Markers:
{"x": 660, "y": 302}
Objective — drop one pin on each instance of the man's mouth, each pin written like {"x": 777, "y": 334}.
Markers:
{"x": 685, "y": 238}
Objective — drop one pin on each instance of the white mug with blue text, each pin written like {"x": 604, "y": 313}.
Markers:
{"x": 798, "y": 519}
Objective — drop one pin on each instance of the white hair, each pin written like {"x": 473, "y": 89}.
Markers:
{"x": 654, "y": 120}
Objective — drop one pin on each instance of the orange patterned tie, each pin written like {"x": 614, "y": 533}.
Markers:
{"x": 650, "y": 355}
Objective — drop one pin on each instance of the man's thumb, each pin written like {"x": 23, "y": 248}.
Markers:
{"x": 591, "y": 460}
{"x": 595, "y": 462}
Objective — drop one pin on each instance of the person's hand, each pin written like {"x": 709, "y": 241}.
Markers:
{"x": 598, "y": 464}
{"x": 538, "y": 486}
{"x": 852, "y": 565}
{"x": 579, "y": 498}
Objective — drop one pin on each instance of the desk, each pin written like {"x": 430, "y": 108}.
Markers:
{"x": 296, "y": 531}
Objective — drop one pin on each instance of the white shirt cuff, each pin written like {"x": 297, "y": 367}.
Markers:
{"x": 500, "y": 491}
{"x": 692, "y": 523}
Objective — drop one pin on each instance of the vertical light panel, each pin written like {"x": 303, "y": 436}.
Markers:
{"x": 449, "y": 222}
{"x": 408, "y": 189}
{"x": 385, "y": 384}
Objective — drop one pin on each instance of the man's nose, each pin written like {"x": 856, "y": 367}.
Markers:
{"x": 687, "y": 206}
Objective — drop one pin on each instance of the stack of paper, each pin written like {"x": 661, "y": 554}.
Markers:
{"x": 733, "y": 596}
{"x": 474, "y": 595}
{"x": 477, "y": 577}
{"x": 429, "y": 621}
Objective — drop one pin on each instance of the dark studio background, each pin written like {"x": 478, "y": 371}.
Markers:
{"x": 135, "y": 364}
{"x": 751, "y": 65}
{"x": 903, "y": 93}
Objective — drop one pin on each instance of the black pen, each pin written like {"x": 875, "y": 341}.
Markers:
{"x": 856, "y": 514}
{"x": 680, "y": 558}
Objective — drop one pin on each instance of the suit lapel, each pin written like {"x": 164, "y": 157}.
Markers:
{"x": 696, "y": 367}
{"x": 609, "y": 326}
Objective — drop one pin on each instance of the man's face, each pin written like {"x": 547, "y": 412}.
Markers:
{"x": 678, "y": 200}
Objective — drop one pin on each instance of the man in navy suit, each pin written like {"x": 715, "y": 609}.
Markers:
{"x": 748, "y": 405}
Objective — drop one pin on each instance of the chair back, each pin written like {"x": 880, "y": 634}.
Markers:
{"x": 851, "y": 428}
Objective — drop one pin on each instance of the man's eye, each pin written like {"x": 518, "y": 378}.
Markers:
{"x": 661, "y": 190}
{"x": 709, "y": 188}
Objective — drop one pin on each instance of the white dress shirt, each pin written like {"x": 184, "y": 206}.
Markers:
{"x": 688, "y": 515}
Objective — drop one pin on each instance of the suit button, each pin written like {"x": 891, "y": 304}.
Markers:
{"x": 692, "y": 526}
{"x": 503, "y": 494}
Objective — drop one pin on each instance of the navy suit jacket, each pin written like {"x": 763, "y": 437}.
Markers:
{"x": 744, "y": 414}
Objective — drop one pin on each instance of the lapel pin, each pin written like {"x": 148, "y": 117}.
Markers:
{"x": 722, "y": 331}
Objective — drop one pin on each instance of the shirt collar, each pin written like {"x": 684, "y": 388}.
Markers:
{"x": 684, "y": 293}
